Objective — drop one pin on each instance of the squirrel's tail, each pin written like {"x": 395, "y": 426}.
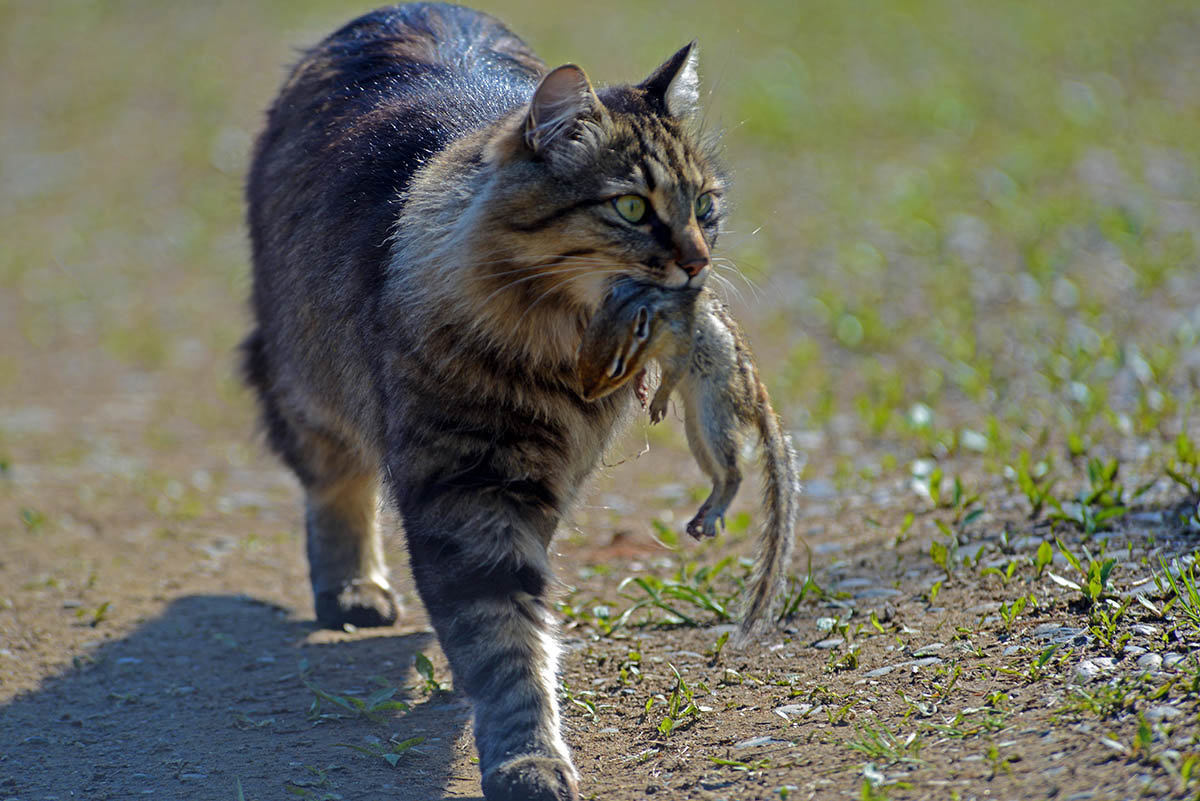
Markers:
{"x": 777, "y": 537}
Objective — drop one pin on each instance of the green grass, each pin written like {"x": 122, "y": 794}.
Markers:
{"x": 877, "y": 743}
{"x": 692, "y": 595}
{"x": 375, "y": 708}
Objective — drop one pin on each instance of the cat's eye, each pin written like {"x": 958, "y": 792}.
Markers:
{"x": 632, "y": 208}
{"x": 704, "y": 205}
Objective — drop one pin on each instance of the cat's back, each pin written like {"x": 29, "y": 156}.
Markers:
{"x": 423, "y": 68}
{"x": 357, "y": 117}
{"x": 363, "y": 110}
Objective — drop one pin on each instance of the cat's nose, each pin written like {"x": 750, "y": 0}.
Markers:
{"x": 691, "y": 251}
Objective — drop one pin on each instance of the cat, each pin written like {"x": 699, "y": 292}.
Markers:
{"x": 703, "y": 355}
{"x": 434, "y": 216}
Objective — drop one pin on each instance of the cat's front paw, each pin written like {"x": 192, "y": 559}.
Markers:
{"x": 362, "y": 604}
{"x": 531, "y": 778}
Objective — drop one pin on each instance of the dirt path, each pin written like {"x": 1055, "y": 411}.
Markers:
{"x": 171, "y": 654}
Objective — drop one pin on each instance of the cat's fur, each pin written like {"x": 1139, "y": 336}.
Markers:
{"x": 703, "y": 355}
{"x": 431, "y": 224}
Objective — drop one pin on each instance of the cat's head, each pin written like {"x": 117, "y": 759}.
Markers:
{"x": 597, "y": 185}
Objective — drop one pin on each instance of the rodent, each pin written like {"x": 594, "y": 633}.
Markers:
{"x": 705, "y": 357}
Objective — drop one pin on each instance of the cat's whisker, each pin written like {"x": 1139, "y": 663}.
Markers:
{"x": 728, "y": 265}
{"x": 570, "y": 270}
{"x": 731, "y": 288}
{"x": 755, "y": 290}
{"x": 554, "y": 289}
{"x": 541, "y": 265}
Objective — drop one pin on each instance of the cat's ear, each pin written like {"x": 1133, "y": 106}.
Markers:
{"x": 562, "y": 99}
{"x": 675, "y": 86}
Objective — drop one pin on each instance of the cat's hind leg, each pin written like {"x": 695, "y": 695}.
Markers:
{"x": 345, "y": 554}
{"x": 345, "y": 551}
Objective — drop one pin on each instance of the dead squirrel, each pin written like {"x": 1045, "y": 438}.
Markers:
{"x": 704, "y": 355}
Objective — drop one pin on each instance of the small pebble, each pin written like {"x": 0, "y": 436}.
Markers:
{"x": 832, "y": 642}
{"x": 1061, "y": 634}
{"x": 1161, "y": 712}
{"x": 877, "y": 672}
{"x": 1144, "y": 629}
{"x": 1108, "y": 742}
{"x": 754, "y": 742}
{"x": 926, "y": 662}
{"x": 693, "y": 654}
{"x": 1091, "y": 669}
{"x": 853, "y": 583}
{"x": 1151, "y": 662}
{"x": 1171, "y": 661}
{"x": 793, "y": 709}
{"x": 1134, "y": 650}
{"x": 932, "y": 648}
{"x": 877, "y": 592}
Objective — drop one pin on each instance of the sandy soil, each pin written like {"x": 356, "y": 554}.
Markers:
{"x": 156, "y": 639}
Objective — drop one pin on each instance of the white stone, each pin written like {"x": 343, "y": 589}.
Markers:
{"x": 1092, "y": 669}
{"x": 1151, "y": 662}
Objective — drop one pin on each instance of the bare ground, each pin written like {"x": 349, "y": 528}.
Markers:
{"x": 156, "y": 639}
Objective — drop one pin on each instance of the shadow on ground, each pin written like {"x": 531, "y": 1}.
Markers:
{"x": 210, "y": 696}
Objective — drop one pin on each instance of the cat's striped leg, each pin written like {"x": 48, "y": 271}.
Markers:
{"x": 494, "y": 626}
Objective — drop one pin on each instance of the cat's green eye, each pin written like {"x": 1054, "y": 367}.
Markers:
{"x": 631, "y": 207}
{"x": 704, "y": 205}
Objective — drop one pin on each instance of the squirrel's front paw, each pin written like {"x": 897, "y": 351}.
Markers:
{"x": 658, "y": 407}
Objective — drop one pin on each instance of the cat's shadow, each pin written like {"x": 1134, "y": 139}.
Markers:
{"x": 227, "y": 697}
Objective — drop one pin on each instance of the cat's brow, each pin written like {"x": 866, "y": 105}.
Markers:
{"x": 549, "y": 219}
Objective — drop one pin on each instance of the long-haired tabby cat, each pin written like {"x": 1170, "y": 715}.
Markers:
{"x": 434, "y": 217}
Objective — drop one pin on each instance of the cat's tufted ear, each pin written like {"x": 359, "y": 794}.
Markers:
{"x": 675, "y": 86}
{"x": 563, "y": 98}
